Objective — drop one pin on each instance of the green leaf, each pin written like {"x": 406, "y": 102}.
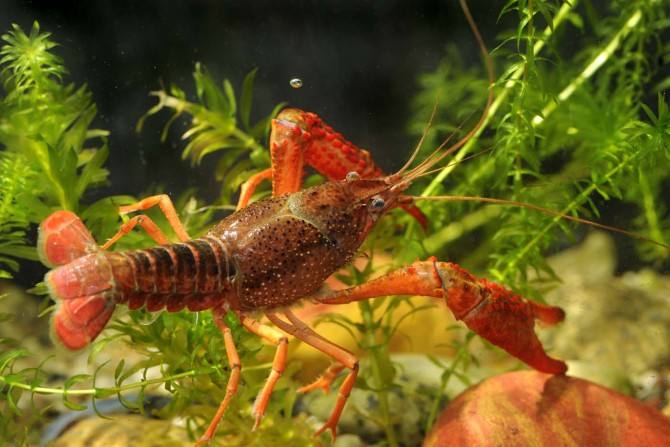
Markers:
{"x": 13, "y": 396}
{"x": 63, "y": 175}
{"x": 119, "y": 370}
{"x": 69, "y": 383}
{"x": 9, "y": 357}
{"x": 92, "y": 172}
{"x": 230, "y": 96}
{"x": 246, "y": 97}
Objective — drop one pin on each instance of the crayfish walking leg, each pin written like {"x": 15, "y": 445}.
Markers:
{"x": 167, "y": 208}
{"x": 267, "y": 333}
{"x": 272, "y": 335}
{"x": 233, "y": 380}
{"x": 165, "y": 204}
{"x": 304, "y": 333}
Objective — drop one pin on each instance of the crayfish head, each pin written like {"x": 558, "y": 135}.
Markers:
{"x": 376, "y": 196}
{"x": 345, "y": 211}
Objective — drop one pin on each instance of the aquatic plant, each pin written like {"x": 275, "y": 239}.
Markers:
{"x": 573, "y": 131}
{"x": 570, "y": 130}
{"x": 214, "y": 128}
{"x": 567, "y": 130}
{"x": 44, "y": 127}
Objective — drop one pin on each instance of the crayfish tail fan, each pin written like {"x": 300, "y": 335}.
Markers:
{"x": 62, "y": 238}
{"x": 84, "y": 292}
{"x": 78, "y": 321}
{"x": 81, "y": 283}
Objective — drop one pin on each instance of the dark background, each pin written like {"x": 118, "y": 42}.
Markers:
{"x": 358, "y": 61}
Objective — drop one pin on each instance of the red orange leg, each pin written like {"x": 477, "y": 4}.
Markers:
{"x": 324, "y": 381}
{"x": 275, "y": 337}
{"x": 287, "y": 151}
{"x": 495, "y": 313}
{"x": 145, "y": 222}
{"x": 250, "y": 186}
{"x": 327, "y": 378}
{"x": 166, "y": 206}
{"x": 304, "y": 333}
{"x": 233, "y": 380}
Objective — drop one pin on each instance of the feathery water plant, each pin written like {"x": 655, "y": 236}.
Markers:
{"x": 45, "y": 163}
{"x": 219, "y": 123}
{"x": 568, "y": 131}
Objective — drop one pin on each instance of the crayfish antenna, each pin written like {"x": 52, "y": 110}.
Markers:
{"x": 421, "y": 140}
{"x": 439, "y": 153}
{"x": 542, "y": 210}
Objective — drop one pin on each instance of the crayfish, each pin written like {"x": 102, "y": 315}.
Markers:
{"x": 273, "y": 253}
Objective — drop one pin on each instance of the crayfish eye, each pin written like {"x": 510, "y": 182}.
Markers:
{"x": 377, "y": 204}
{"x": 353, "y": 176}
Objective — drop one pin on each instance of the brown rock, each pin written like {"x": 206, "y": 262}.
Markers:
{"x": 528, "y": 408}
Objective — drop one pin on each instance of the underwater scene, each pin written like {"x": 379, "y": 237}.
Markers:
{"x": 337, "y": 223}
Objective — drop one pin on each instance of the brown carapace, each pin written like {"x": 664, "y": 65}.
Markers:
{"x": 275, "y": 252}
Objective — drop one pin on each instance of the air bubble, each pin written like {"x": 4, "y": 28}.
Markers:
{"x": 353, "y": 176}
{"x": 296, "y": 82}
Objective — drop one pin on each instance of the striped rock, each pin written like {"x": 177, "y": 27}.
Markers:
{"x": 528, "y": 408}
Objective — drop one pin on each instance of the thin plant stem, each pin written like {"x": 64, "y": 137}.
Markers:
{"x": 593, "y": 66}
{"x": 117, "y": 389}
{"x": 462, "y": 355}
{"x": 578, "y": 201}
{"x": 96, "y": 391}
{"x": 375, "y": 363}
{"x": 650, "y": 211}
